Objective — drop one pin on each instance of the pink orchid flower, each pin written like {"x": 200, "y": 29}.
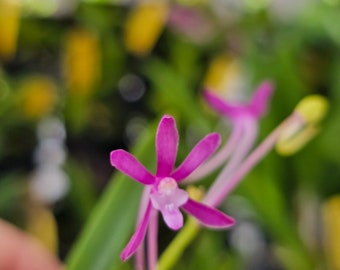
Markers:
{"x": 164, "y": 193}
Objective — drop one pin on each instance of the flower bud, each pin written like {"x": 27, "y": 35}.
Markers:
{"x": 304, "y": 126}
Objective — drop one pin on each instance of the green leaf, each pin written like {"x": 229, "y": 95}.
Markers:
{"x": 11, "y": 191}
{"x": 82, "y": 195}
{"x": 111, "y": 224}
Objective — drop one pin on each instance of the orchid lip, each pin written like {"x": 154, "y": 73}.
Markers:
{"x": 168, "y": 198}
{"x": 166, "y": 194}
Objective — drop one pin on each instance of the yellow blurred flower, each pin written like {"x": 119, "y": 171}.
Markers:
{"x": 224, "y": 75}
{"x": 42, "y": 224}
{"x": 195, "y": 193}
{"x": 38, "y": 96}
{"x": 331, "y": 225}
{"x": 81, "y": 63}
{"x": 9, "y": 27}
{"x": 144, "y": 26}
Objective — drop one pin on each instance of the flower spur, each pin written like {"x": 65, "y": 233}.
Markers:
{"x": 164, "y": 193}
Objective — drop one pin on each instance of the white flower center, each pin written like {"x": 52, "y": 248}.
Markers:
{"x": 166, "y": 196}
{"x": 167, "y": 186}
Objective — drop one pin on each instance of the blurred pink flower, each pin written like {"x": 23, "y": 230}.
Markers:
{"x": 244, "y": 120}
{"x": 256, "y": 107}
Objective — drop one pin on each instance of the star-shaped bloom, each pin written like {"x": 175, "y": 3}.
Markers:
{"x": 165, "y": 195}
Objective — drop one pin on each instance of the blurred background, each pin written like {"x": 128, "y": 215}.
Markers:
{"x": 81, "y": 78}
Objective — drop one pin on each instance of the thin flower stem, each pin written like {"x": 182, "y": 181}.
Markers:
{"x": 152, "y": 240}
{"x": 246, "y": 141}
{"x": 139, "y": 262}
{"x": 252, "y": 160}
{"x": 143, "y": 203}
{"x": 140, "y": 252}
{"x": 185, "y": 236}
{"x": 219, "y": 158}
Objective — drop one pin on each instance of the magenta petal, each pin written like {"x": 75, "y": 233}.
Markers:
{"x": 207, "y": 215}
{"x": 173, "y": 218}
{"x": 258, "y": 104}
{"x": 202, "y": 151}
{"x": 220, "y": 105}
{"x": 137, "y": 237}
{"x": 129, "y": 165}
{"x": 166, "y": 146}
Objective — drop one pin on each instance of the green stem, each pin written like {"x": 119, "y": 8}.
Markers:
{"x": 171, "y": 255}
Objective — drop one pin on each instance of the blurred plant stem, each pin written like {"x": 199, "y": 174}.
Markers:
{"x": 176, "y": 248}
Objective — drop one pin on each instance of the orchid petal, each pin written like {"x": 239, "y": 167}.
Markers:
{"x": 129, "y": 165}
{"x": 138, "y": 236}
{"x": 220, "y": 105}
{"x": 173, "y": 218}
{"x": 208, "y": 216}
{"x": 260, "y": 99}
{"x": 202, "y": 151}
{"x": 166, "y": 146}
